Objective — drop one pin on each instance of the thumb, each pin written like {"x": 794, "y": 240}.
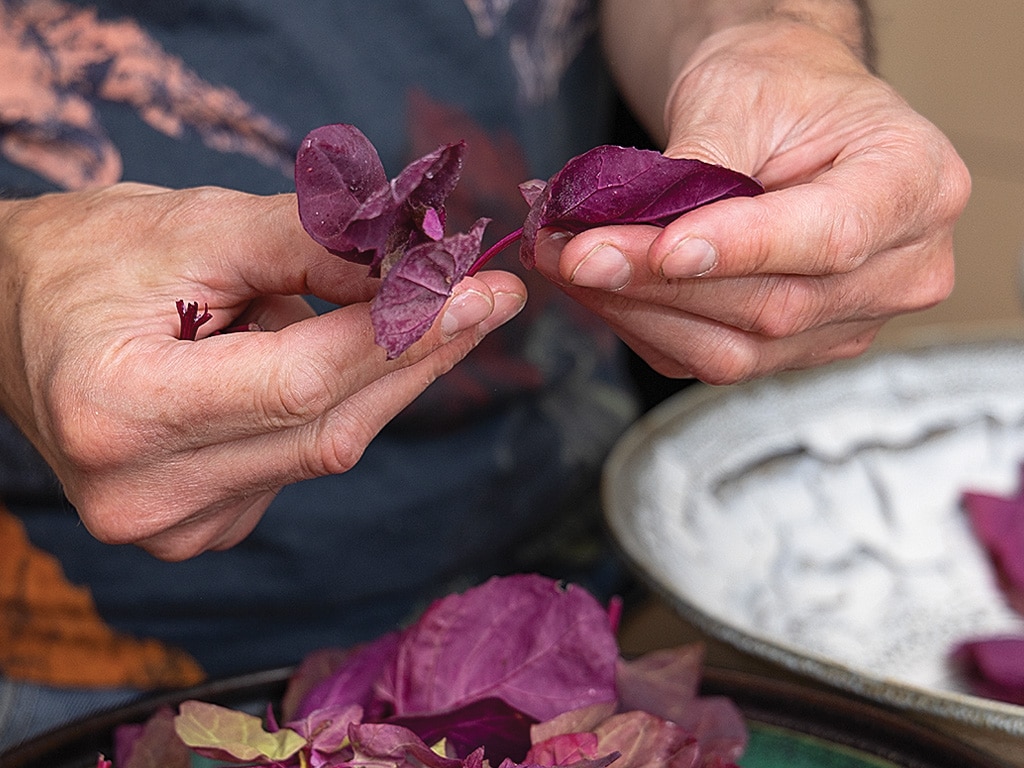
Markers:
{"x": 275, "y": 255}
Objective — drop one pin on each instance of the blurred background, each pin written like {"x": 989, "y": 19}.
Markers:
{"x": 958, "y": 63}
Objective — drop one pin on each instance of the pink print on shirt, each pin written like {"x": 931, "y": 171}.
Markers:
{"x": 59, "y": 61}
{"x": 545, "y": 36}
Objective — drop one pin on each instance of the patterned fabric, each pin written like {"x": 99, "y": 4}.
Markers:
{"x": 476, "y": 475}
{"x": 50, "y": 631}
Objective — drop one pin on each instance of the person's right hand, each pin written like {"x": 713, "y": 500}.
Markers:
{"x": 179, "y": 446}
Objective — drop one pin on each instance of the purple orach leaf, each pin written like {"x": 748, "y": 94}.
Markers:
{"x": 565, "y": 748}
{"x": 326, "y": 731}
{"x": 541, "y": 647}
{"x": 420, "y": 191}
{"x": 392, "y": 746}
{"x": 597, "y": 762}
{"x": 348, "y": 681}
{"x": 345, "y": 201}
{"x": 573, "y": 722}
{"x": 417, "y": 285}
{"x": 152, "y": 744}
{"x": 665, "y": 683}
{"x": 502, "y": 730}
{"x": 623, "y": 185}
{"x": 993, "y": 667}
{"x": 998, "y": 524}
{"x": 347, "y": 204}
{"x": 190, "y": 319}
{"x": 647, "y": 741}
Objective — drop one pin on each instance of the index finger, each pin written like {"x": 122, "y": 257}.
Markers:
{"x": 268, "y": 250}
{"x": 864, "y": 204}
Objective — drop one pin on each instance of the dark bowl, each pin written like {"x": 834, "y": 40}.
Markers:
{"x": 790, "y": 726}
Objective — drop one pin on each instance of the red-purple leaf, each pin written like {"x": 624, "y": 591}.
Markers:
{"x": 417, "y": 285}
{"x": 153, "y": 744}
{"x": 345, "y": 201}
{"x": 998, "y": 523}
{"x": 542, "y": 648}
{"x": 392, "y": 746}
{"x": 646, "y": 741}
{"x": 993, "y": 667}
{"x": 624, "y": 185}
{"x": 351, "y": 681}
{"x": 502, "y": 730}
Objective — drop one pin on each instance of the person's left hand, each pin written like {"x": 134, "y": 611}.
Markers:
{"x": 855, "y": 227}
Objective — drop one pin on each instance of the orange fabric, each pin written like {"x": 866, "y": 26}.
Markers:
{"x": 51, "y": 633}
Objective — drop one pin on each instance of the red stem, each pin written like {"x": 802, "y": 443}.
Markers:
{"x": 494, "y": 250}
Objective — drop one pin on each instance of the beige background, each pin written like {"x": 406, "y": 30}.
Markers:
{"x": 960, "y": 64}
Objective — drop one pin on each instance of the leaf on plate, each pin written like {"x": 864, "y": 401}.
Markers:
{"x": 227, "y": 734}
{"x": 542, "y": 647}
{"x": 993, "y": 667}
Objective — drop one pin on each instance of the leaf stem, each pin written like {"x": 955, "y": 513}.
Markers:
{"x": 494, "y": 250}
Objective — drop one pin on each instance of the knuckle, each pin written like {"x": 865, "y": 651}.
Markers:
{"x": 732, "y": 361}
{"x": 300, "y": 395}
{"x": 89, "y": 434}
{"x": 341, "y": 452}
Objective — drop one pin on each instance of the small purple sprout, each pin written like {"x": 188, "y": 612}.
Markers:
{"x": 191, "y": 320}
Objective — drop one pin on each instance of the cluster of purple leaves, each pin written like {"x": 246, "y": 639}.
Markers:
{"x": 520, "y": 671}
{"x": 397, "y": 227}
{"x": 994, "y": 666}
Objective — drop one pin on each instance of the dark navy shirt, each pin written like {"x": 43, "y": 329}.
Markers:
{"x": 502, "y": 453}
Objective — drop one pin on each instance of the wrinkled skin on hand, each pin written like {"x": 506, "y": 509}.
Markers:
{"x": 179, "y": 446}
{"x": 856, "y": 226}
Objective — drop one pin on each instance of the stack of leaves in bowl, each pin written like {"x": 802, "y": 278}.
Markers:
{"x": 519, "y": 671}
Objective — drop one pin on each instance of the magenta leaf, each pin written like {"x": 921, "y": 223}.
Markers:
{"x": 597, "y": 762}
{"x": 392, "y": 746}
{"x": 152, "y": 744}
{"x": 519, "y": 672}
{"x": 564, "y": 749}
{"x": 624, "y": 185}
{"x": 349, "y": 681}
{"x": 345, "y": 201}
{"x": 993, "y": 667}
{"x": 665, "y": 683}
{"x": 541, "y": 647}
{"x": 347, "y": 204}
{"x": 647, "y": 741}
{"x": 502, "y": 730}
{"x": 418, "y": 284}
{"x": 998, "y": 524}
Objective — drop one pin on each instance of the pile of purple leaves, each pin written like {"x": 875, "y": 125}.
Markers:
{"x": 520, "y": 671}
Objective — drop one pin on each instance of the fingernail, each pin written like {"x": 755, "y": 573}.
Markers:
{"x": 506, "y": 306}
{"x": 465, "y": 310}
{"x": 604, "y": 267}
{"x": 691, "y": 258}
{"x": 548, "y": 252}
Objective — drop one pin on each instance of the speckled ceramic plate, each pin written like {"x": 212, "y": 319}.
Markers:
{"x": 813, "y": 519}
{"x": 790, "y": 727}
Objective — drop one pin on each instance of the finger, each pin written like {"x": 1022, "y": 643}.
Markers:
{"x": 217, "y": 531}
{"x": 243, "y": 384}
{"x": 680, "y": 345}
{"x": 203, "y": 508}
{"x": 272, "y": 313}
{"x": 265, "y": 250}
{"x": 888, "y": 284}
